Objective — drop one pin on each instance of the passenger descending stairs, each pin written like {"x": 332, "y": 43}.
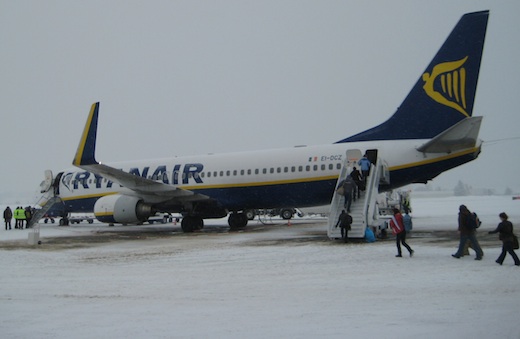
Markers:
{"x": 364, "y": 210}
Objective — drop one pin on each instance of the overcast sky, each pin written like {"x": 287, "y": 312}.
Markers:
{"x": 196, "y": 77}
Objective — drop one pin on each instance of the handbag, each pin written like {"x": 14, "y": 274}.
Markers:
{"x": 515, "y": 242}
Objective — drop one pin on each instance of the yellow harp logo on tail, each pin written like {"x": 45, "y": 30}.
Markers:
{"x": 452, "y": 77}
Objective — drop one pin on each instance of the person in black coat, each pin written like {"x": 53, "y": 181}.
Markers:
{"x": 356, "y": 176}
{"x": 467, "y": 233}
{"x": 505, "y": 228}
{"x": 344, "y": 221}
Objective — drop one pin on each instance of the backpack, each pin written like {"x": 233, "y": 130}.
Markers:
{"x": 473, "y": 221}
{"x": 407, "y": 221}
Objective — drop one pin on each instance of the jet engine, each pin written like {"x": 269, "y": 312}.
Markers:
{"x": 122, "y": 209}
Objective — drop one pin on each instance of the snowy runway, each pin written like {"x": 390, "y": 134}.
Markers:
{"x": 276, "y": 281}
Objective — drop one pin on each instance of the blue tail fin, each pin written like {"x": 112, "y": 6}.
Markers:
{"x": 445, "y": 92}
{"x": 85, "y": 155}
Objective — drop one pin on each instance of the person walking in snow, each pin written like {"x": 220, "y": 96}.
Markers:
{"x": 467, "y": 230}
{"x": 397, "y": 226}
{"x": 505, "y": 228}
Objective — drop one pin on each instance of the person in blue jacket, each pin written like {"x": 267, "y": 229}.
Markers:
{"x": 365, "y": 164}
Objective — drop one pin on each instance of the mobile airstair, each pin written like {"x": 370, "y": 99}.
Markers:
{"x": 47, "y": 200}
{"x": 364, "y": 210}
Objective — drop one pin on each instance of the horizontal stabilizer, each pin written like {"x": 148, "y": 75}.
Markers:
{"x": 460, "y": 136}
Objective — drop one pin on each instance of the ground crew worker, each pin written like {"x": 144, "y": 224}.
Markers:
{"x": 21, "y": 215}
{"x": 16, "y": 217}
{"x": 28, "y": 216}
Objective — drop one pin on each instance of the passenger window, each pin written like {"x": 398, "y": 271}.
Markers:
{"x": 323, "y": 167}
{"x": 307, "y": 168}
{"x": 315, "y": 167}
{"x": 235, "y": 172}
{"x": 228, "y": 173}
{"x": 271, "y": 170}
{"x": 257, "y": 171}
{"x": 300, "y": 168}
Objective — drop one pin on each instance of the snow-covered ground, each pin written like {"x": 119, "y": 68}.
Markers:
{"x": 271, "y": 281}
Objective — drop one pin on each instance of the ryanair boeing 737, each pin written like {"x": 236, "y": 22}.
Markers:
{"x": 431, "y": 132}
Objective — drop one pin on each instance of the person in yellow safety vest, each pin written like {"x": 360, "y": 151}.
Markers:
{"x": 16, "y": 217}
{"x": 22, "y": 217}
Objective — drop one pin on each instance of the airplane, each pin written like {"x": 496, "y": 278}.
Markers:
{"x": 431, "y": 132}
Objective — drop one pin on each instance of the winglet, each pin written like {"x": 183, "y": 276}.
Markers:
{"x": 87, "y": 144}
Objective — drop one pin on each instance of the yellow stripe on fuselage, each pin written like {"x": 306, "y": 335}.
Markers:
{"x": 434, "y": 160}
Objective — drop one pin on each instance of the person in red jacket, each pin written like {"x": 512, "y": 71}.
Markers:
{"x": 397, "y": 225}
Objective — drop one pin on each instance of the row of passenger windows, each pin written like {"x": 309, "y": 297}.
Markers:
{"x": 272, "y": 170}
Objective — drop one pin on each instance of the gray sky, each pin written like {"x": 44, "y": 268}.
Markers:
{"x": 196, "y": 77}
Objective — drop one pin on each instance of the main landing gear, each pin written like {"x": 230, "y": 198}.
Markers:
{"x": 237, "y": 221}
{"x": 191, "y": 223}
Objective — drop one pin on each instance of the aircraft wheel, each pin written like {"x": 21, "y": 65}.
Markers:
{"x": 286, "y": 214}
{"x": 199, "y": 223}
{"x": 250, "y": 214}
{"x": 187, "y": 224}
{"x": 237, "y": 221}
{"x": 191, "y": 223}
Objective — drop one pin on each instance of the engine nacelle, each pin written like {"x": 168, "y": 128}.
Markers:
{"x": 122, "y": 209}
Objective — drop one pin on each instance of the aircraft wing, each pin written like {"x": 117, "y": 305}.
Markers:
{"x": 460, "y": 136}
{"x": 85, "y": 159}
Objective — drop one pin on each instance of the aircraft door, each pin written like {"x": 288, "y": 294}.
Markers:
{"x": 372, "y": 155}
{"x": 353, "y": 156}
{"x": 56, "y": 184}
{"x": 46, "y": 184}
